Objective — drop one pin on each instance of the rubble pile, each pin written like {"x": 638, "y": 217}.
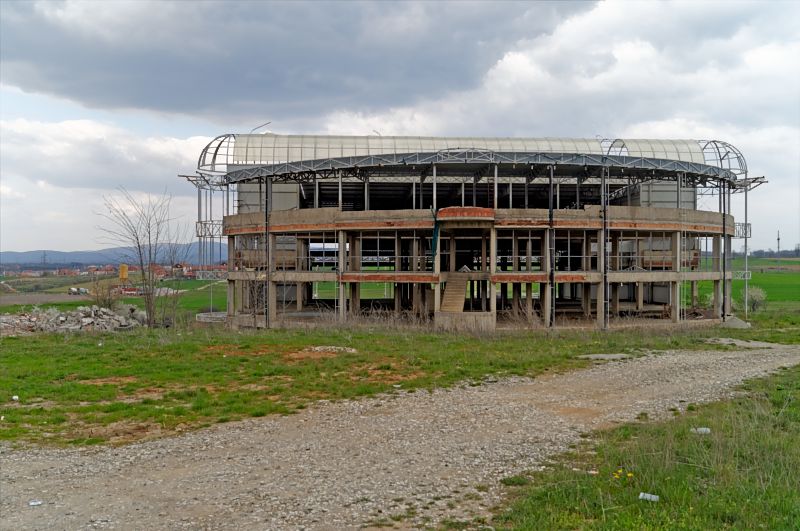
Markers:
{"x": 83, "y": 318}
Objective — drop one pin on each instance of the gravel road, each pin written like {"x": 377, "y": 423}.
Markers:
{"x": 423, "y": 456}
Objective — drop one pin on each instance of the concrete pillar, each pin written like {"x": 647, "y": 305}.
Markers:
{"x": 342, "y": 264}
{"x": 676, "y": 251}
{"x": 301, "y": 265}
{"x": 240, "y": 296}
{"x": 716, "y": 265}
{"x": 415, "y": 287}
{"x": 273, "y": 304}
{"x": 640, "y": 296}
{"x": 675, "y": 298}
{"x": 272, "y": 300}
{"x": 695, "y": 293}
{"x": 484, "y": 263}
{"x": 437, "y": 270}
{"x": 452, "y": 253}
{"x": 586, "y": 301}
{"x": 601, "y": 287}
{"x": 516, "y": 288}
{"x": 355, "y": 265}
{"x": 492, "y": 266}
{"x": 675, "y": 301}
{"x": 546, "y": 295}
{"x": 397, "y": 266}
{"x": 230, "y": 305}
{"x": 355, "y": 297}
{"x": 434, "y": 189}
{"x": 729, "y": 288}
{"x": 586, "y": 249}
{"x": 529, "y": 301}
{"x": 728, "y": 282}
{"x": 614, "y": 267}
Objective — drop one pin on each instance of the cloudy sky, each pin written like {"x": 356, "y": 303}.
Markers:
{"x": 98, "y": 95}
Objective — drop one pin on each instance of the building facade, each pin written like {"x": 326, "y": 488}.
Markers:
{"x": 470, "y": 233}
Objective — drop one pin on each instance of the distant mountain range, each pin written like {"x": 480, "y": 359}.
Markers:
{"x": 48, "y": 259}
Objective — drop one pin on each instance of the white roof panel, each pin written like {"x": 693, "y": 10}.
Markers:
{"x": 269, "y": 148}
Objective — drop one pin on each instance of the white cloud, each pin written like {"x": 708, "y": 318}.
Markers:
{"x": 90, "y": 154}
{"x": 6, "y": 192}
{"x": 56, "y": 174}
{"x": 682, "y": 69}
{"x": 641, "y": 69}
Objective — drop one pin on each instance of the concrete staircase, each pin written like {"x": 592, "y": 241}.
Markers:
{"x": 455, "y": 292}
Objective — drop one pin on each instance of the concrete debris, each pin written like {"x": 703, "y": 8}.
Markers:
{"x": 604, "y": 357}
{"x": 734, "y": 322}
{"x": 648, "y": 497}
{"x": 82, "y": 318}
{"x": 330, "y": 348}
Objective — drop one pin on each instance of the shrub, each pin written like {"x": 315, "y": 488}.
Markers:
{"x": 756, "y": 298}
{"x": 104, "y": 294}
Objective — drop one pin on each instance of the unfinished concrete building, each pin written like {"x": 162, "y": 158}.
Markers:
{"x": 470, "y": 233}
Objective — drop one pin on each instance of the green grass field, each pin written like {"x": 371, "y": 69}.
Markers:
{"x": 98, "y": 387}
{"x": 197, "y": 296}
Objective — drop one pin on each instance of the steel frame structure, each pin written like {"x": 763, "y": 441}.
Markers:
{"x": 723, "y": 173}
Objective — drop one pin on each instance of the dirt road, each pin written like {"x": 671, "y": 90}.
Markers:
{"x": 418, "y": 457}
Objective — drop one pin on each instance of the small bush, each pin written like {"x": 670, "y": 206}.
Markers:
{"x": 756, "y": 298}
{"x": 104, "y": 294}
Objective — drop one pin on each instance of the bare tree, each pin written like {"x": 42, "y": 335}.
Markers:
{"x": 175, "y": 251}
{"x": 142, "y": 226}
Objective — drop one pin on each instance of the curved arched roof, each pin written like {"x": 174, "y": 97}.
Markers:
{"x": 256, "y": 149}
{"x": 236, "y": 158}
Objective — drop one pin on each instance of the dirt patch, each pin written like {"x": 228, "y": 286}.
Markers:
{"x": 234, "y": 350}
{"x": 582, "y": 414}
{"x": 111, "y": 380}
{"x": 123, "y": 432}
{"x": 387, "y": 371}
{"x": 145, "y": 393}
{"x": 303, "y": 355}
{"x": 318, "y": 353}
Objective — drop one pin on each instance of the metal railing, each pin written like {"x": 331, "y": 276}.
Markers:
{"x": 355, "y": 263}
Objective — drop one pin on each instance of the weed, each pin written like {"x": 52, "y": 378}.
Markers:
{"x": 515, "y": 481}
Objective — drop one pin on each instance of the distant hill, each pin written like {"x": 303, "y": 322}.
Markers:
{"x": 114, "y": 255}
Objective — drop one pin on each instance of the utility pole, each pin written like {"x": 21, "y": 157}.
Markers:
{"x": 779, "y": 244}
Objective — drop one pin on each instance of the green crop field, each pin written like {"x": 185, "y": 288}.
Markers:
{"x": 196, "y": 296}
